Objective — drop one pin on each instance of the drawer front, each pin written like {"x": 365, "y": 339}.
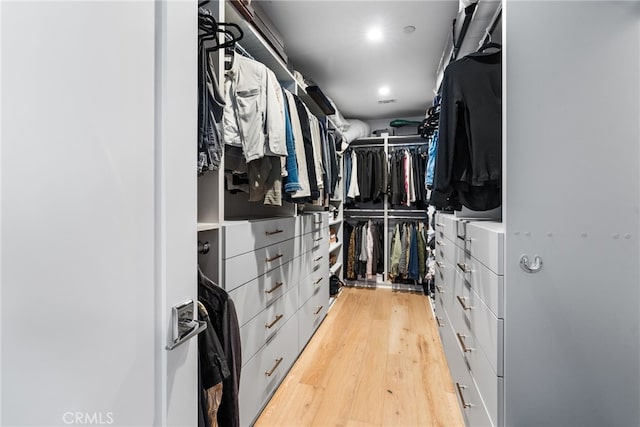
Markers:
{"x": 247, "y": 236}
{"x": 315, "y": 221}
{"x": 246, "y": 267}
{"x": 255, "y": 334}
{"x": 444, "y": 282}
{"x": 446, "y": 226}
{"x": 311, "y": 315}
{"x": 489, "y": 385}
{"x": 485, "y": 241}
{"x": 312, "y": 284}
{"x": 472, "y": 318}
{"x": 253, "y": 297}
{"x": 256, "y": 387}
{"x": 446, "y": 249}
{"x": 472, "y": 407}
{"x": 487, "y": 284}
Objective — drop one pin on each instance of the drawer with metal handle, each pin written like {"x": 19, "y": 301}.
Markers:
{"x": 471, "y": 404}
{"x": 312, "y": 313}
{"x": 262, "y": 374}
{"x": 253, "y": 297}
{"x": 246, "y": 267}
{"x": 247, "y": 236}
{"x": 473, "y": 319}
{"x": 259, "y": 330}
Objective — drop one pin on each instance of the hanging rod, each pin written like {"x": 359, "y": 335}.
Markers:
{"x": 403, "y": 217}
{"x": 363, "y": 210}
{"x": 409, "y": 144}
{"x": 367, "y": 216}
{"x": 366, "y": 146}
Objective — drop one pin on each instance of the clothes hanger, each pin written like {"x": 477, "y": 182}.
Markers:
{"x": 488, "y": 44}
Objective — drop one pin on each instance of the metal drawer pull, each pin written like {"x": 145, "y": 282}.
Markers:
{"x": 278, "y": 284}
{"x": 271, "y": 233}
{"x": 278, "y": 362}
{"x": 317, "y": 259}
{"x": 461, "y": 300}
{"x": 440, "y": 243}
{"x": 318, "y": 222}
{"x": 464, "y": 403}
{"x": 462, "y": 344}
{"x": 440, "y": 264}
{"x": 276, "y": 320}
{"x": 439, "y": 289}
{"x": 317, "y": 281}
{"x": 439, "y": 322}
{"x": 531, "y": 268}
{"x": 462, "y": 266}
{"x": 318, "y": 239}
{"x": 275, "y": 257}
{"x": 439, "y": 224}
{"x": 318, "y": 310}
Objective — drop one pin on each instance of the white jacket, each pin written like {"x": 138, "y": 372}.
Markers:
{"x": 254, "y": 112}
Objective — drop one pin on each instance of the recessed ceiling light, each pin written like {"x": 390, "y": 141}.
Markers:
{"x": 384, "y": 90}
{"x": 409, "y": 29}
{"x": 374, "y": 34}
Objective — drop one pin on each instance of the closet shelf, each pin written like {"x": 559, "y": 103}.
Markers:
{"x": 206, "y": 226}
{"x": 335, "y": 267}
{"x": 256, "y": 45}
{"x": 335, "y": 247}
{"x": 335, "y": 221}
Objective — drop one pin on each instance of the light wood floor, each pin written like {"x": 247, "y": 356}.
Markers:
{"x": 376, "y": 360}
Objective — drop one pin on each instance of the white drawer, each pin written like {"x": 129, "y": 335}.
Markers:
{"x": 444, "y": 281}
{"x": 446, "y": 226}
{"x": 490, "y": 386}
{"x": 446, "y": 250}
{"x": 487, "y": 284}
{"x": 312, "y": 284}
{"x": 253, "y": 297}
{"x": 246, "y": 267}
{"x": 470, "y": 316}
{"x": 485, "y": 241}
{"x": 256, "y": 387}
{"x": 314, "y": 221}
{"x": 247, "y": 236}
{"x": 315, "y": 239}
{"x": 260, "y": 329}
{"x": 471, "y": 404}
{"x": 311, "y": 314}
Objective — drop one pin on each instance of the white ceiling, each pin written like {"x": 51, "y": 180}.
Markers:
{"x": 326, "y": 41}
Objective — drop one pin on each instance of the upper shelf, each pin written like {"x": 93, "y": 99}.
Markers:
{"x": 256, "y": 45}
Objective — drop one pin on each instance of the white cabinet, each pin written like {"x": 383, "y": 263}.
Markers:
{"x": 469, "y": 309}
{"x": 280, "y": 303}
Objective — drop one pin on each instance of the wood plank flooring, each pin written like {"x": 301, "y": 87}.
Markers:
{"x": 376, "y": 360}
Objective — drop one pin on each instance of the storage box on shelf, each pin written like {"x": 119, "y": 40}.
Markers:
{"x": 469, "y": 308}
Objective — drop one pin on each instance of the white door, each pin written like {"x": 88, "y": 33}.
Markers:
{"x": 98, "y": 211}
{"x": 572, "y": 343}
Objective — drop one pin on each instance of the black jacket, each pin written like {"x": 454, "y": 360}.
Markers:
{"x": 224, "y": 319}
{"x": 469, "y": 157}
